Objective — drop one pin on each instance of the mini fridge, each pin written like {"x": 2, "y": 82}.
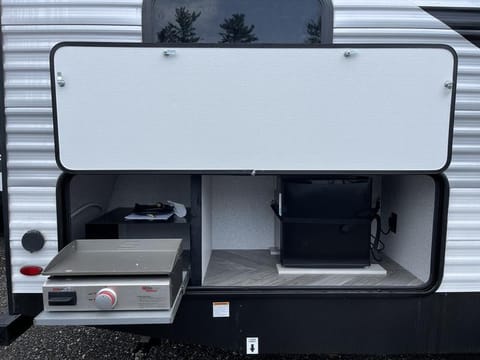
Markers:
{"x": 325, "y": 222}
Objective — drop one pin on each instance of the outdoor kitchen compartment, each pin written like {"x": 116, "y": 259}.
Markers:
{"x": 233, "y": 238}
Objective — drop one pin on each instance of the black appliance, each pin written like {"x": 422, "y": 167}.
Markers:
{"x": 325, "y": 222}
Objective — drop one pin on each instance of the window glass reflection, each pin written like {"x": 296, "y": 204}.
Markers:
{"x": 237, "y": 21}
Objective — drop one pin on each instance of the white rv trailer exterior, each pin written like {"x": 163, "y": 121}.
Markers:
{"x": 31, "y": 28}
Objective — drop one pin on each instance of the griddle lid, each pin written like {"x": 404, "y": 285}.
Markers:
{"x": 116, "y": 257}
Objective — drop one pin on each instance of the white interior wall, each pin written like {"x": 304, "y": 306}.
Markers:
{"x": 412, "y": 198}
{"x": 241, "y": 213}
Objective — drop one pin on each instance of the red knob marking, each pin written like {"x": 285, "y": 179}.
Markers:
{"x": 109, "y": 294}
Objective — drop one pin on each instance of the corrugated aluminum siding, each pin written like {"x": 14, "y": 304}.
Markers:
{"x": 30, "y": 29}
{"x": 404, "y": 22}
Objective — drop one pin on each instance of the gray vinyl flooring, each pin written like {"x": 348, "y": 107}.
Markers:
{"x": 258, "y": 268}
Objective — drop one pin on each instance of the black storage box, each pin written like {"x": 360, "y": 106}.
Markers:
{"x": 113, "y": 225}
{"x": 325, "y": 222}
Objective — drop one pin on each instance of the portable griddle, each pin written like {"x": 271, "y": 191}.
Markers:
{"x": 114, "y": 274}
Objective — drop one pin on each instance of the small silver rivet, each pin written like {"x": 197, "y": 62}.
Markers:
{"x": 169, "y": 52}
{"x": 348, "y": 53}
{"x": 448, "y": 84}
{"x": 60, "y": 79}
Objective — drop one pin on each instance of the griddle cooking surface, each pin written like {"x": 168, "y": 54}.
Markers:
{"x": 115, "y": 257}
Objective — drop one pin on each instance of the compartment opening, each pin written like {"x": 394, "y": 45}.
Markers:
{"x": 246, "y": 243}
{"x": 233, "y": 236}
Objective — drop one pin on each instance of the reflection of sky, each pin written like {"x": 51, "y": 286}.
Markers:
{"x": 276, "y": 21}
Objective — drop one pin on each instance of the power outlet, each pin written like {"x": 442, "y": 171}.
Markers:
{"x": 392, "y": 223}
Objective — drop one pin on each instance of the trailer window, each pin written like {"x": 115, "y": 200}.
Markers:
{"x": 237, "y": 22}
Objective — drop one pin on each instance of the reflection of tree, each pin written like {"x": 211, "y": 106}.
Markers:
{"x": 236, "y": 31}
{"x": 314, "y": 30}
{"x": 183, "y": 31}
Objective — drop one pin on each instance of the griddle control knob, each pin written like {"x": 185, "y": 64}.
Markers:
{"x": 106, "y": 299}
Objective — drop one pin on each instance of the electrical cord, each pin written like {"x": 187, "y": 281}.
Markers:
{"x": 376, "y": 251}
{"x": 84, "y": 207}
{"x": 380, "y": 242}
{"x": 376, "y": 238}
{"x": 377, "y": 246}
{"x": 377, "y": 259}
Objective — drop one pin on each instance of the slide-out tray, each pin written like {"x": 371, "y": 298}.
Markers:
{"x": 116, "y": 257}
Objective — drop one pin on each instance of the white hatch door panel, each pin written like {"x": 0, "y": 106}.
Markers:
{"x": 131, "y": 108}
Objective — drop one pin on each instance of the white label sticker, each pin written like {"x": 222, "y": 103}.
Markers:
{"x": 252, "y": 345}
{"x": 221, "y": 309}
